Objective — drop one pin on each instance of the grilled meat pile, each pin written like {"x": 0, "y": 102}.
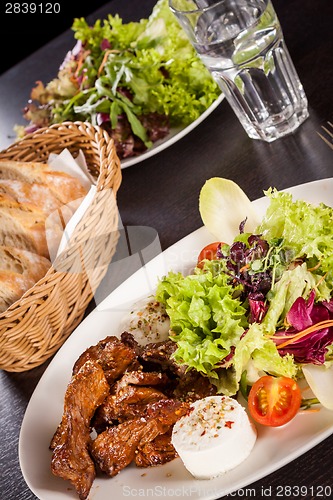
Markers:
{"x": 120, "y": 406}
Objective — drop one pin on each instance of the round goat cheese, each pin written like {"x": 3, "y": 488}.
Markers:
{"x": 147, "y": 321}
{"x": 214, "y": 437}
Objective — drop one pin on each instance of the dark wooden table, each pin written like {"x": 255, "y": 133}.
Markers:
{"x": 161, "y": 193}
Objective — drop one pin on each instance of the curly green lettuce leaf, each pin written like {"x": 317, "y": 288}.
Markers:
{"x": 304, "y": 227}
{"x": 205, "y": 319}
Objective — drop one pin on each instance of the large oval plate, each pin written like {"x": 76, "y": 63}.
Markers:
{"x": 175, "y": 135}
{"x": 275, "y": 447}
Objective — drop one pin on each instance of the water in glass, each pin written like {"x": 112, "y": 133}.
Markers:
{"x": 241, "y": 43}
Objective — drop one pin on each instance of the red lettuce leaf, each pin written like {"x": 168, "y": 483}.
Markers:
{"x": 304, "y": 314}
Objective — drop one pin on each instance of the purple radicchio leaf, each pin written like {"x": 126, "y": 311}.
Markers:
{"x": 242, "y": 225}
{"x": 299, "y": 315}
{"x": 329, "y": 305}
{"x": 102, "y": 118}
{"x": 257, "y": 310}
{"x": 105, "y": 44}
{"x": 312, "y": 347}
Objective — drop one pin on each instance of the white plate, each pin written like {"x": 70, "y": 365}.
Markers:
{"x": 274, "y": 448}
{"x": 175, "y": 135}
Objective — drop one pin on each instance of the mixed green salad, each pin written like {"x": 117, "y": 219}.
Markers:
{"x": 261, "y": 304}
{"x": 136, "y": 79}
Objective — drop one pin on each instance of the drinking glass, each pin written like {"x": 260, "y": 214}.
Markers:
{"x": 241, "y": 43}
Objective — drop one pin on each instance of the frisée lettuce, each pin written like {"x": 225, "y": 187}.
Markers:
{"x": 304, "y": 227}
{"x": 264, "y": 304}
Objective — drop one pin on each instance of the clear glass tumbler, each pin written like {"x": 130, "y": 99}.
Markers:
{"x": 241, "y": 43}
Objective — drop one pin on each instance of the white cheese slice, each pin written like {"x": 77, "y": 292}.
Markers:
{"x": 214, "y": 437}
{"x": 147, "y": 321}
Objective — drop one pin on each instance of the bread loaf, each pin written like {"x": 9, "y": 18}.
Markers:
{"x": 29, "y": 192}
{"x": 35, "y": 202}
{"x": 19, "y": 271}
{"x": 22, "y": 228}
{"x": 62, "y": 185}
{"x": 24, "y": 192}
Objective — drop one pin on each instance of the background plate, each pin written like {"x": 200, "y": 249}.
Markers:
{"x": 175, "y": 135}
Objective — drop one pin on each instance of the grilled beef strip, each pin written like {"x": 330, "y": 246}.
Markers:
{"x": 141, "y": 378}
{"x": 117, "y": 446}
{"x": 129, "y": 397}
{"x": 113, "y": 355}
{"x": 159, "y": 354}
{"x": 189, "y": 385}
{"x": 156, "y": 452}
{"x": 130, "y": 404}
{"x": 129, "y": 340}
{"x": 193, "y": 386}
{"x": 70, "y": 458}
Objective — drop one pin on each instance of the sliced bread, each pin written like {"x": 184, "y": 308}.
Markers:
{"x": 23, "y": 228}
{"x": 19, "y": 271}
{"x": 64, "y": 187}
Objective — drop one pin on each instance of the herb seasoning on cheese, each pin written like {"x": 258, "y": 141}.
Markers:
{"x": 214, "y": 437}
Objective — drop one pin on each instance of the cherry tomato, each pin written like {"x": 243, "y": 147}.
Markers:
{"x": 274, "y": 401}
{"x": 209, "y": 252}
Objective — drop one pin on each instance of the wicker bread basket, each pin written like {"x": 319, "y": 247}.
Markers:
{"x": 34, "y": 327}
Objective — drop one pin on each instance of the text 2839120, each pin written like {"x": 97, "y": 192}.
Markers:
{"x": 32, "y": 8}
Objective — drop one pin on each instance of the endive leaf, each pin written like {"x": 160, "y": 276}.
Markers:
{"x": 223, "y": 205}
{"x": 320, "y": 380}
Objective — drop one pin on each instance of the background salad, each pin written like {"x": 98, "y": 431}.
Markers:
{"x": 137, "y": 80}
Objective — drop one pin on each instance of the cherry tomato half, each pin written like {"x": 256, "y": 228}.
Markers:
{"x": 274, "y": 401}
{"x": 209, "y": 252}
